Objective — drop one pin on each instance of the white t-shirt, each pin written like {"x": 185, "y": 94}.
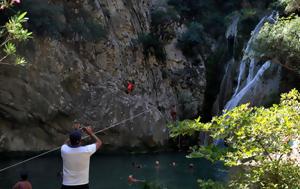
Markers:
{"x": 76, "y": 163}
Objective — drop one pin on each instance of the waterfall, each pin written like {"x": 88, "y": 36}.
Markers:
{"x": 260, "y": 88}
{"x": 257, "y": 81}
{"x": 227, "y": 83}
{"x": 232, "y": 29}
{"x": 231, "y": 34}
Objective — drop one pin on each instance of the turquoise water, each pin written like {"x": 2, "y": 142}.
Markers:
{"x": 111, "y": 171}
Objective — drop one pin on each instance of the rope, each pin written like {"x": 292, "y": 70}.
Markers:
{"x": 57, "y": 148}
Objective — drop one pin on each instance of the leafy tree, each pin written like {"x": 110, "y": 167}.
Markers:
{"x": 269, "y": 175}
{"x": 255, "y": 137}
{"x": 280, "y": 42}
{"x": 290, "y": 5}
{"x": 11, "y": 33}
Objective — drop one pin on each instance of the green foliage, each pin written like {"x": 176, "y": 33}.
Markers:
{"x": 151, "y": 185}
{"x": 210, "y": 184}
{"x": 20, "y": 60}
{"x": 161, "y": 17}
{"x": 205, "y": 12}
{"x": 45, "y": 18}
{"x": 214, "y": 17}
{"x": 280, "y": 41}
{"x": 88, "y": 30}
{"x": 190, "y": 42}
{"x": 56, "y": 21}
{"x": 290, "y": 5}
{"x": 190, "y": 9}
{"x": 10, "y": 48}
{"x": 255, "y": 136}
{"x": 161, "y": 31}
{"x": 11, "y": 33}
{"x": 15, "y": 29}
{"x": 269, "y": 175}
{"x": 162, "y": 21}
{"x": 152, "y": 46}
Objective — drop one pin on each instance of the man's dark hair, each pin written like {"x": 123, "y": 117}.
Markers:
{"x": 23, "y": 175}
{"x": 75, "y": 137}
{"x": 75, "y": 121}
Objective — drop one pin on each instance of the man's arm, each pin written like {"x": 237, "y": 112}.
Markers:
{"x": 88, "y": 130}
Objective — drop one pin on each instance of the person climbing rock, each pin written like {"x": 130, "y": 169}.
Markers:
{"x": 130, "y": 86}
{"x": 173, "y": 113}
{"x": 76, "y": 158}
{"x": 23, "y": 183}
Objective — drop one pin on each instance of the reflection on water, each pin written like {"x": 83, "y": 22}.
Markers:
{"x": 111, "y": 171}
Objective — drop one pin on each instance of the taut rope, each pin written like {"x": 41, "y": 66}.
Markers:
{"x": 57, "y": 148}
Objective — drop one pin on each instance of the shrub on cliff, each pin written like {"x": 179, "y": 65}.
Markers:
{"x": 258, "y": 139}
{"x": 191, "y": 9}
{"x": 152, "y": 46}
{"x": 56, "y": 20}
{"x": 86, "y": 30}
{"x": 45, "y": 18}
{"x": 162, "y": 21}
{"x": 192, "y": 39}
{"x": 11, "y": 33}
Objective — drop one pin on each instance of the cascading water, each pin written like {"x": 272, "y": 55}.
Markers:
{"x": 257, "y": 81}
{"x": 231, "y": 34}
{"x": 227, "y": 84}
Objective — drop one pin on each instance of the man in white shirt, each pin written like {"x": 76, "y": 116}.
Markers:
{"x": 76, "y": 159}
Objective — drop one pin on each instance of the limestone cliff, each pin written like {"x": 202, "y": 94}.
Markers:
{"x": 72, "y": 76}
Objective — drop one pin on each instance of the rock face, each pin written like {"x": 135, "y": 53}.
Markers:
{"x": 71, "y": 77}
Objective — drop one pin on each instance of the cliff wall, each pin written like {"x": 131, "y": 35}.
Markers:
{"x": 79, "y": 61}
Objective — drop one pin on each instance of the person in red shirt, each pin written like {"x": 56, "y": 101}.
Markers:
{"x": 173, "y": 113}
{"x": 130, "y": 87}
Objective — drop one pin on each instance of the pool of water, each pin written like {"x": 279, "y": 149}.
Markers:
{"x": 111, "y": 171}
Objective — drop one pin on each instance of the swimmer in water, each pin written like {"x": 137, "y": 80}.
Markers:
{"x": 156, "y": 164}
{"x": 132, "y": 180}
